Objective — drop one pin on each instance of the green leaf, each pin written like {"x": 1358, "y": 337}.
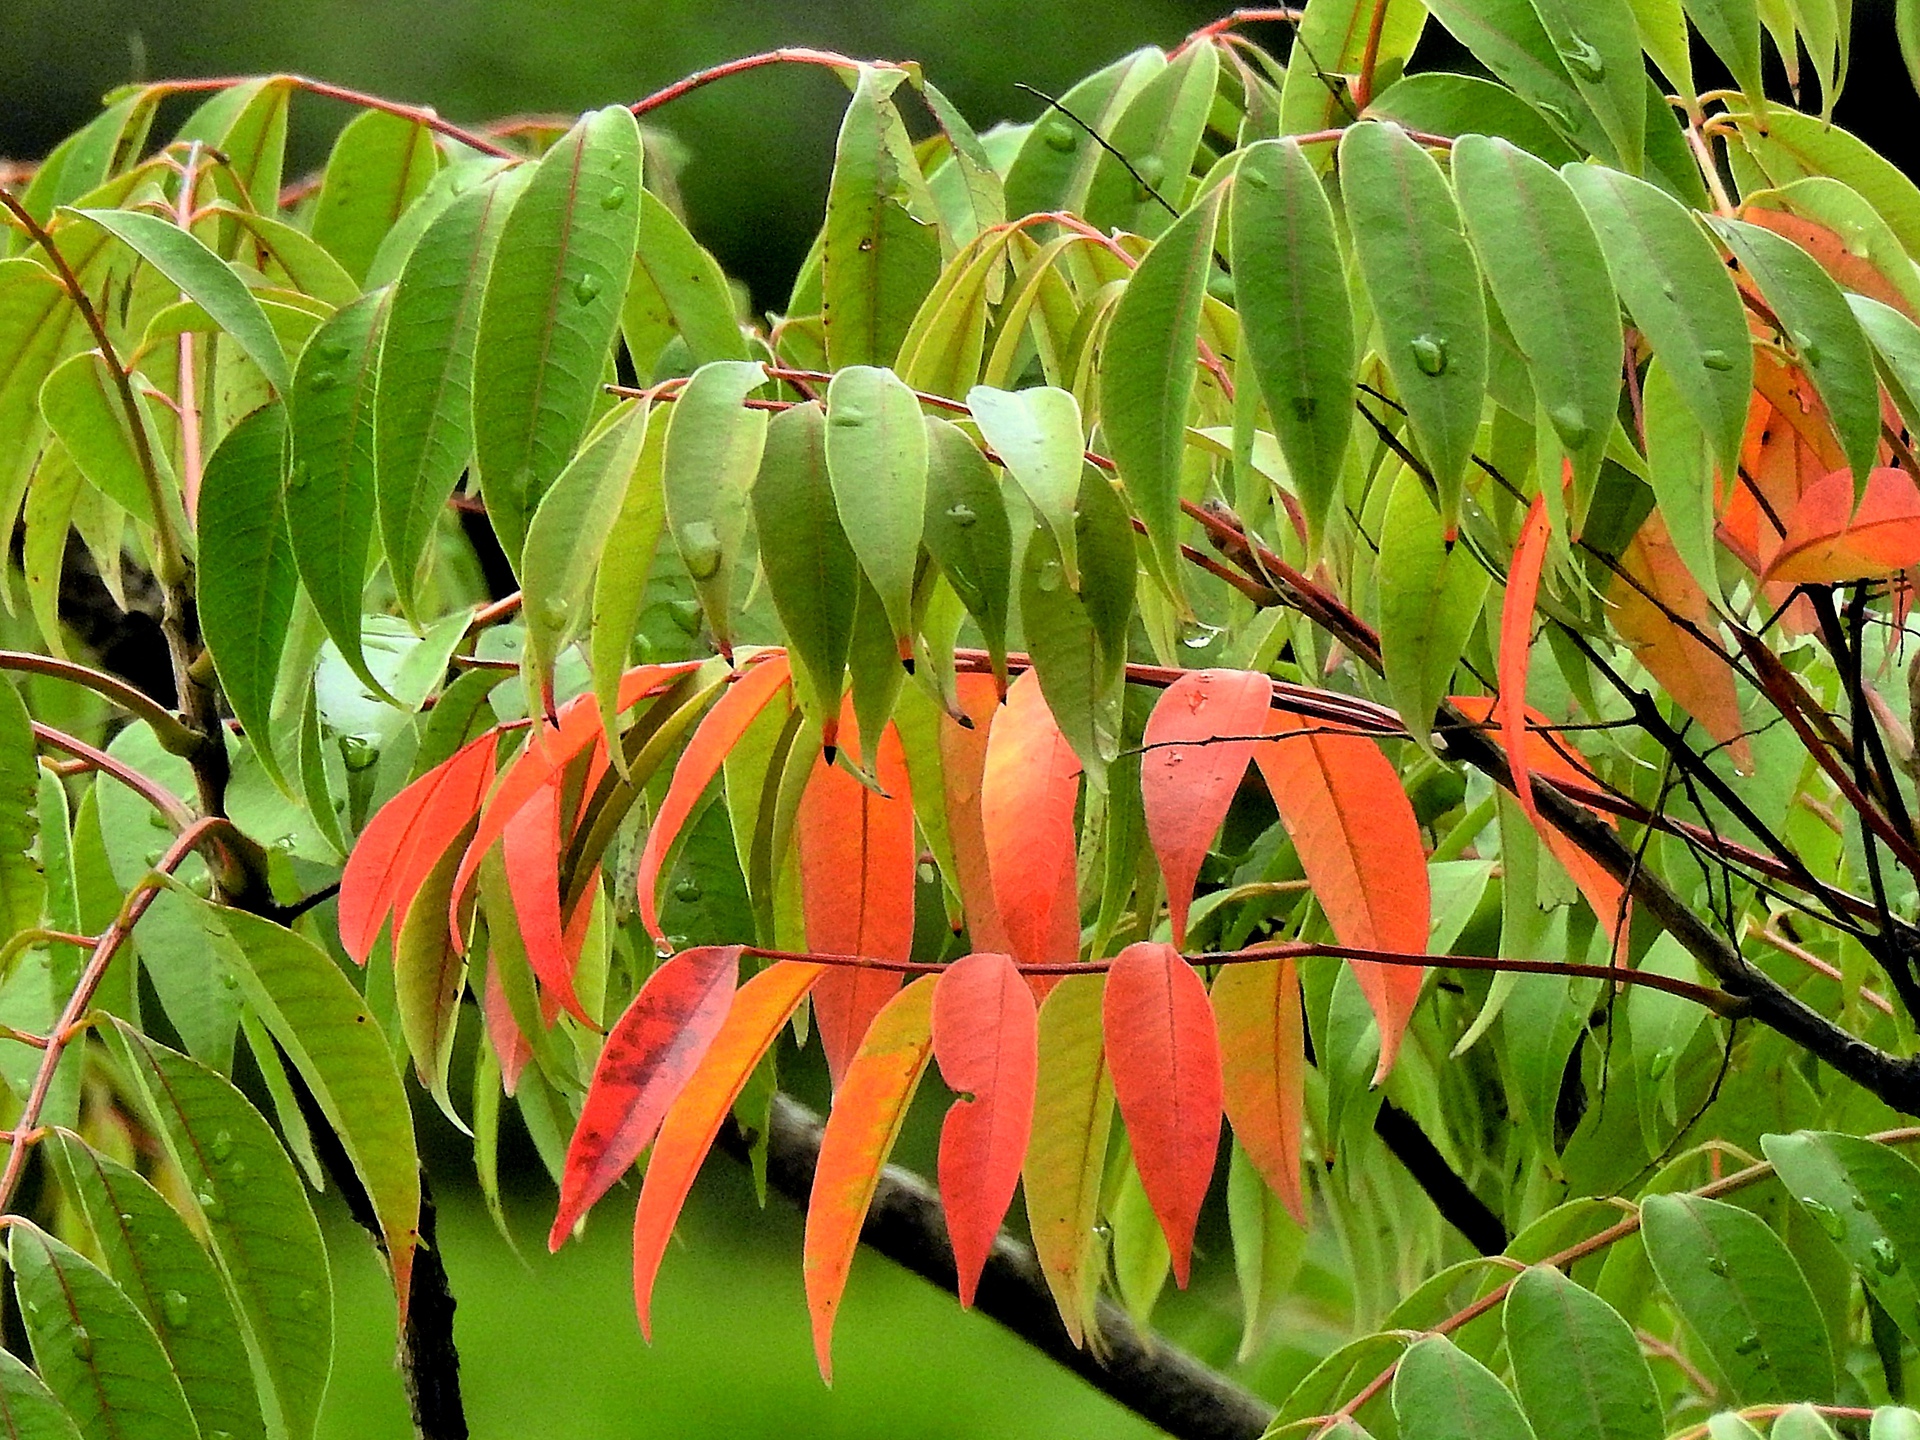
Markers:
{"x": 1801, "y": 1422}
{"x": 159, "y": 1263}
{"x": 1864, "y": 1197}
{"x": 1663, "y": 33}
{"x": 246, "y": 580}
{"x": 1508, "y": 37}
{"x": 27, "y": 1408}
{"x": 1576, "y": 1364}
{"x": 256, "y": 1218}
{"x": 308, "y": 266}
{"x": 1066, "y": 654}
{"x": 247, "y": 124}
{"x": 811, "y": 572}
{"x": 1428, "y": 608}
{"x": 317, "y": 1017}
{"x": 1442, "y": 1393}
{"x": 379, "y": 166}
{"x": 620, "y": 587}
{"x": 84, "y": 160}
{"x": 1036, "y": 435}
{"x": 1545, "y": 268}
{"x": 1057, "y": 159}
{"x": 94, "y": 1349}
{"x": 429, "y": 980}
{"x": 1425, "y": 288}
{"x": 1789, "y": 145}
{"x": 1598, "y": 43}
{"x": 967, "y": 531}
{"x": 550, "y": 314}
{"x": 713, "y": 448}
{"x": 1147, "y": 364}
{"x": 879, "y": 258}
{"x": 1159, "y": 133}
{"x": 877, "y": 465}
{"x": 982, "y": 197}
{"x": 1679, "y": 295}
{"x": 1816, "y": 319}
{"x": 1268, "y": 1245}
{"x": 330, "y": 487}
{"x": 1744, "y": 1296}
{"x": 568, "y": 533}
{"x": 1443, "y": 104}
{"x": 1732, "y": 29}
{"x": 21, "y": 886}
{"x": 1896, "y": 345}
{"x": 1662, "y": 1025}
{"x": 1290, "y": 284}
{"x": 674, "y": 277}
{"x": 1332, "y": 42}
{"x": 39, "y": 326}
{"x": 423, "y": 400}
{"x": 204, "y": 278}
{"x": 1680, "y": 470}
{"x": 82, "y": 407}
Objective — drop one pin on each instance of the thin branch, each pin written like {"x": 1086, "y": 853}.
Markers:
{"x": 419, "y": 114}
{"x": 176, "y": 737}
{"x": 793, "y": 55}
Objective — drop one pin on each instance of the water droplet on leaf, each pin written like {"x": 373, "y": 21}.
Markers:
{"x": 1062, "y": 135}
{"x": 614, "y": 198}
{"x": 553, "y": 611}
{"x": 1151, "y": 170}
{"x": 334, "y": 350}
{"x": 1584, "y": 60}
{"x": 358, "y": 751}
{"x": 1430, "y": 354}
{"x": 1886, "y": 1258}
{"x": 1198, "y": 635}
{"x": 1049, "y": 577}
{"x": 1716, "y": 360}
{"x": 81, "y": 1343}
{"x": 222, "y": 1146}
{"x": 209, "y": 1202}
{"x": 961, "y": 515}
{"x": 586, "y": 288}
{"x": 1571, "y": 421}
{"x": 687, "y": 891}
{"x": 323, "y": 380}
{"x": 686, "y": 615}
{"x": 176, "y": 1308}
{"x": 925, "y": 873}
{"x": 308, "y": 1301}
{"x": 700, "y": 548}
{"x": 1746, "y": 1344}
{"x": 1824, "y": 1213}
{"x": 1809, "y": 349}
{"x": 1716, "y": 1266}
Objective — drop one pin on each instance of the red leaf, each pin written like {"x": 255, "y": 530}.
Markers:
{"x": 986, "y": 1037}
{"x": 402, "y": 843}
{"x": 1188, "y": 788}
{"x": 1698, "y": 679}
{"x": 548, "y": 751}
{"x": 760, "y": 1008}
{"x": 1165, "y": 1060}
{"x": 1354, "y": 828}
{"x": 650, "y": 1055}
{"x": 866, "y": 1116}
{"x": 1545, "y": 757}
{"x": 1263, "y": 1067}
{"x": 1829, "y": 541}
{"x": 857, "y": 856}
{"x": 1516, "y": 650}
{"x": 510, "y": 1047}
{"x": 1027, "y": 796}
{"x": 531, "y": 849}
{"x": 963, "y": 761}
{"x": 719, "y": 731}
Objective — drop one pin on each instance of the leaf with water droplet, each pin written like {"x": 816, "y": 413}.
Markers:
{"x": 1036, "y": 434}
{"x": 1826, "y": 1172}
{"x": 967, "y": 532}
{"x": 713, "y": 450}
{"x": 877, "y": 466}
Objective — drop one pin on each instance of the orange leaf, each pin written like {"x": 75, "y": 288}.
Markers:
{"x": 402, "y": 843}
{"x": 1066, "y": 1156}
{"x": 1698, "y": 679}
{"x": 1165, "y": 1060}
{"x": 719, "y": 731}
{"x": 963, "y": 760}
{"x": 760, "y": 1007}
{"x": 650, "y": 1055}
{"x": 531, "y": 849}
{"x": 1829, "y": 541}
{"x": 1853, "y": 272}
{"x": 1546, "y": 757}
{"x": 1516, "y": 651}
{"x": 1353, "y": 826}
{"x": 548, "y": 751}
{"x": 1263, "y": 1066}
{"x": 1187, "y": 788}
{"x": 986, "y": 1038}
{"x": 857, "y": 856}
{"x": 1027, "y": 796}
{"x": 867, "y": 1112}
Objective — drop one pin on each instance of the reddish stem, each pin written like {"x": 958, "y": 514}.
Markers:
{"x": 787, "y": 56}
{"x": 420, "y": 114}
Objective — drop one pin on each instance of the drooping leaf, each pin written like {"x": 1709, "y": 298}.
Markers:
{"x": 1743, "y": 1293}
{"x": 1599, "y": 43}
{"x": 205, "y": 278}
{"x": 259, "y": 1224}
{"x": 423, "y": 400}
{"x": 1516, "y": 648}
{"x": 1147, "y": 365}
{"x": 1165, "y": 1059}
{"x": 28, "y": 1408}
{"x": 1442, "y": 1393}
{"x": 1036, "y": 433}
{"x": 550, "y": 312}
{"x": 1354, "y": 829}
{"x": 1425, "y": 287}
{"x": 967, "y": 532}
{"x": 82, "y": 407}
{"x": 96, "y": 1352}
{"x": 1857, "y": 1192}
{"x": 677, "y": 287}
{"x": 1028, "y": 792}
{"x": 1548, "y": 275}
{"x": 876, "y": 1088}
{"x": 760, "y": 1009}
{"x": 1829, "y": 542}
{"x": 1159, "y": 132}
{"x": 1290, "y": 286}
{"x": 1056, "y": 161}
{"x": 1431, "y": 607}
{"x": 330, "y": 498}
{"x": 1577, "y": 1367}
{"x": 714, "y": 448}
{"x": 429, "y": 982}
{"x": 857, "y": 857}
{"x": 877, "y": 464}
{"x": 986, "y": 1038}
{"x": 651, "y": 1052}
{"x": 1263, "y": 1066}
{"x": 1202, "y": 733}
{"x": 1680, "y": 296}
{"x": 1508, "y": 38}
{"x": 379, "y": 165}
{"x": 1339, "y": 40}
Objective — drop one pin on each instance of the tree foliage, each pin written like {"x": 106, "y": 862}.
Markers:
{"x": 1359, "y": 612}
